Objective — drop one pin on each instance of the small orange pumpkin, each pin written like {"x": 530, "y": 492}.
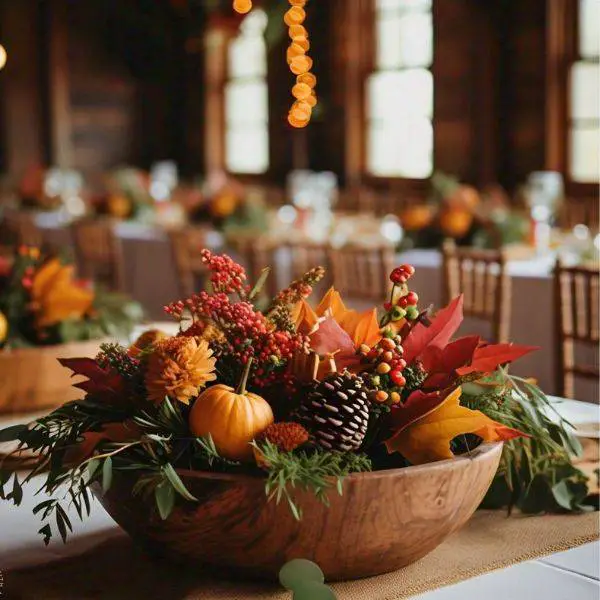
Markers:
{"x": 456, "y": 222}
{"x": 415, "y": 218}
{"x": 233, "y": 418}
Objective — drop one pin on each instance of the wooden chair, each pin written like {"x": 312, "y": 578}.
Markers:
{"x": 481, "y": 276}
{"x": 98, "y": 252}
{"x": 577, "y": 323}
{"x": 186, "y": 245}
{"x": 20, "y": 228}
{"x": 361, "y": 273}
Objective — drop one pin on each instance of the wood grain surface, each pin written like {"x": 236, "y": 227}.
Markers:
{"x": 32, "y": 378}
{"x": 383, "y": 521}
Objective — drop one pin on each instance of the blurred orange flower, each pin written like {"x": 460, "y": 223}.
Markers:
{"x": 56, "y": 296}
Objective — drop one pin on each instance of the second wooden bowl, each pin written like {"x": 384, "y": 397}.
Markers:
{"x": 383, "y": 521}
{"x": 32, "y": 379}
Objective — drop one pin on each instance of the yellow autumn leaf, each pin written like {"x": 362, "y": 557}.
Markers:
{"x": 428, "y": 438}
{"x": 55, "y": 295}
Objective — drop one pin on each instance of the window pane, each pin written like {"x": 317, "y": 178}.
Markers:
{"x": 589, "y": 28}
{"x": 248, "y": 57}
{"x": 394, "y": 94}
{"x": 404, "y": 40}
{"x": 585, "y": 94}
{"x": 247, "y": 149}
{"x": 403, "y": 148}
{"x": 585, "y": 154}
{"x": 246, "y": 102}
{"x": 403, "y": 4}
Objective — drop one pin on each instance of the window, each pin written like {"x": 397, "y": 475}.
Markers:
{"x": 246, "y": 99}
{"x": 584, "y": 94}
{"x": 400, "y": 91}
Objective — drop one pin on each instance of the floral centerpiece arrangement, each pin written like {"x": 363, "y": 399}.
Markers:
{"x": 295, "y": 396}
{"x": 41, "y": 303}
{"x": 458, "y": 211}
{"x": 127, "y": 195}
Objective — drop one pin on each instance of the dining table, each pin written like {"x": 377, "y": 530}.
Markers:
{"x": 26, "y": 564}
{"x": 151, "y": 279}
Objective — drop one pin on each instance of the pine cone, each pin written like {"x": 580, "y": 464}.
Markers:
{"x": 336, "y": 412}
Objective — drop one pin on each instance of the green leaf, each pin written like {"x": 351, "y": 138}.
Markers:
{"x": 13, "y": 433}
{"x": 260, "y": 283}
{"x": 107, "y": 474}
{"x": 313, "y": 590}
{"x": 92, "y": 467}
{"x": 563, "y": 495}
{"x": 176, "y": 482}
{"x": 46, "y": 531}
{"x": 17, "y": 491}
{"x": 299, "y": 570}
{"x": 164, "y": 494}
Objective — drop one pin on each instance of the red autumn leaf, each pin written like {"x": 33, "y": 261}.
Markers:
{"x": 417, "y": 405}
{"x": 454, "y": 355}
{"x": 329, "y": 337}
{"x": 127, "y": 431}
{"x": 99, "y": 380}
{"x": 489, "y": 357}
{"x": 444, "y": 325}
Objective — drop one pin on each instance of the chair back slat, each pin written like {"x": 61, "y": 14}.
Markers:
{"x": 186, "y": 245}
{"x": 98, "y": 252}
{"x": 577, "y": 323}
{"x": 361, "y": 273}
{"x": 20, "y": 228}
{"x": 480, "y": 275}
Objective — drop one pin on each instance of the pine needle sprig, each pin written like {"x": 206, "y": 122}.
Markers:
{"x": 317, "y": 472}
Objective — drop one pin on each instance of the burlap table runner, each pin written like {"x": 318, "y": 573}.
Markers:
{"x": 115, "y": 570}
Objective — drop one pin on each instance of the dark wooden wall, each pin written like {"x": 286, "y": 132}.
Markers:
{"x": 96, "y": 83}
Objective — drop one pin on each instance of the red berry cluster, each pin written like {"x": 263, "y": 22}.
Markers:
{"x": 248, "y": 333}
{"x": 402, "y": 304}
{"x": 402, "y": 274}
{"x": 227, "y": 276}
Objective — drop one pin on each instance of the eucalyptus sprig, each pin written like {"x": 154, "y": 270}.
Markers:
{"x": 536, "y": 473}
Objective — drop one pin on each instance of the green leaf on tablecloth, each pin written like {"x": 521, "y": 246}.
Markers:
{"x": 299, "y": 570}
{"x": 106, "y": 474}
{"x": 164, "y": 494}
{"x": 312, "y": 590}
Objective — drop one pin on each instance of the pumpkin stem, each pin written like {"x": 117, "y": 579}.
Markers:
{"x": 241, "y": 389}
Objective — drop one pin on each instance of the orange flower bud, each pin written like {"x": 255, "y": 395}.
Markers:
{"x": 307, "y": 78}
{"x": 301, "y": 64}
{"x": 242, "y": 6}
{"x": 301, "y": 91}
{"x": 294, "y": 16}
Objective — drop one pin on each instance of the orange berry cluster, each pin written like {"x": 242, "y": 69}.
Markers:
{"x": 300, "y": 65}
{"x": 242, "y": 6}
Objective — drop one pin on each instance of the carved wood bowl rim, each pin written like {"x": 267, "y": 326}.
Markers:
{"x": 480, "y": 453}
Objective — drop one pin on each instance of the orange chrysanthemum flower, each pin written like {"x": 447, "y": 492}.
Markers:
{"x": 179, "y": 367}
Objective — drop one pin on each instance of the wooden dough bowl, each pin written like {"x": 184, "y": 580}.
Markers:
{"x": 383, "y": 521}
{"x": 32, "y": 379}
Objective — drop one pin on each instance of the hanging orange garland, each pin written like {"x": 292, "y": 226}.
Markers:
{"x": 299, "y": 62}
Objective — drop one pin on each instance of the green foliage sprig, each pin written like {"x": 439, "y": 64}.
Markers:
{"x": 316, "y": 471}
{"x": 536, "y": 473}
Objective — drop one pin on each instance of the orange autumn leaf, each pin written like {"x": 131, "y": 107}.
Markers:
{"x": 55, "y": 295}
{"x": 304, "y": 317}
{"x": 363, "y": 327}
{"x": 428, "y": 438}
